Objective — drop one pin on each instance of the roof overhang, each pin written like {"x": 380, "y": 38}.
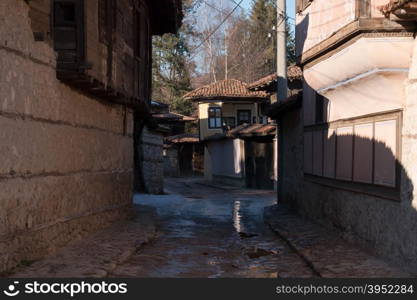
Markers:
{"x": 227, "y": 99}
{"x": 290, "y": 104}
{"x": 400, "y": 9}
{"x": 167, "y": 16}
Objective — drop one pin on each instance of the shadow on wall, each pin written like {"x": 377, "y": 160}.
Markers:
{"x": 358, "y": 185}
{"x": 259, "y": 164}
{"x": 301, "y": 31}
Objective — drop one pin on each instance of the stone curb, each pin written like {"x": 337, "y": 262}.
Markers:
{"x": 324, "y": 250}
{"x": 98, "y": 255}
{"x": 268, "y": 216}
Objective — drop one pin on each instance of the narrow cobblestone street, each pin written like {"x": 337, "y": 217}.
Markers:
{"x": 197, "y": 230}
{"x": 208, "y": 231}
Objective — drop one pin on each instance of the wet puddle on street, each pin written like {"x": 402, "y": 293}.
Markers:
{"x": 209, "y": 233}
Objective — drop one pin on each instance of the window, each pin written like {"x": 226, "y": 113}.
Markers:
{"x": 64, "y": 13}
{"x": 68, "y": 32}
{"x": 215, "y": 117}
{"x": 229, "y": 122}
{"x": 243, "y": 116}
{"x": 363, "y": 150}
{"x": 106, "y": 20}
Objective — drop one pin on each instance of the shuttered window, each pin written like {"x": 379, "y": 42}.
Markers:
{"x": 68, "y": 31}
{"x": 106, "y": 20}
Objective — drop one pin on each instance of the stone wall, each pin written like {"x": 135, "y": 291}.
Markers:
{"x": 67, "y": 159}
{"x": 152, "y": 161}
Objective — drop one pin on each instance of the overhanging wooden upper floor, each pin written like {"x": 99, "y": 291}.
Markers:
{"x": 323, "y": 25}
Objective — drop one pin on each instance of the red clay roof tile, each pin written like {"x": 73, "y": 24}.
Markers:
{"x": 294, "y": 72}
{"x": 230, "y": 88}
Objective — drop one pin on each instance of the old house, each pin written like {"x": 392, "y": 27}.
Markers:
{"x": 239, "y": 148}
{"x": 268, "y": 84}
{"x": 351, "y": 147}
{"x": 243, "y": 157}
{"x": 183, "y": 155}
{"x": 182, "y": 152}
{"x": 225, "y": 105}
{"x": 152, "y": 148}
{"x": 176, "y": 123}
{"x": 74, "y": 95}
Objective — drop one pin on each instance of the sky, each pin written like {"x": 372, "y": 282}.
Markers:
{"x": 290, "y": 7}
{"x": 246, "y": 5}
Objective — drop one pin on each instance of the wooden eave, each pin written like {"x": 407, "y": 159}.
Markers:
{"x": 228, "y": 99}
{"x": 166, "y": 16}
{"x": 369, "y": 26}
{"x": 407, "y": 12}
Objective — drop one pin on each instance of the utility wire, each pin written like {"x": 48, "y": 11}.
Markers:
{"x": 214, "y": 7}
{"x": 217, "y": 28}
{"x": 282, "y": 12}
{"x": 238, "y": 4}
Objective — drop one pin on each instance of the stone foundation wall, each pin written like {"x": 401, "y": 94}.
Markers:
{"x": 152, "y": 161}
{"x": 67, "y": 159}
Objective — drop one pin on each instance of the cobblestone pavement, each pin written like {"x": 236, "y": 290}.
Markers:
{"x": 203, "y": 231}
{"x": 97, "y": 255}
{"x": 195, "y": 230}
{"x": 326, "y": 251}
{"x": 208, "y": 231}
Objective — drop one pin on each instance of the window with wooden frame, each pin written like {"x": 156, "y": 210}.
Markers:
{"x": 68, "y": 33}
{"x": 361, "y": 150}
{"x": 214, "y": 118}
{"x": 229, "y": 122}
{"x": 244, "y": 116}
{"x": 106, "y": 20}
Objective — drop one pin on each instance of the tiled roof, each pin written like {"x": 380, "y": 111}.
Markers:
{"x": 246, "y": 130}
{"x": 230, "y": 88}
{"x": 393, "y": 5}
{"x": 294, "y": 72}
{"x": 281, "y": 107}
{"x": 173, "y": 117}
{"x": 183, "y": 138}
{"x": 253, "y": 130}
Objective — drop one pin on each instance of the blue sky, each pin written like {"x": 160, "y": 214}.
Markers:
{"x": 290, "y": 7}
